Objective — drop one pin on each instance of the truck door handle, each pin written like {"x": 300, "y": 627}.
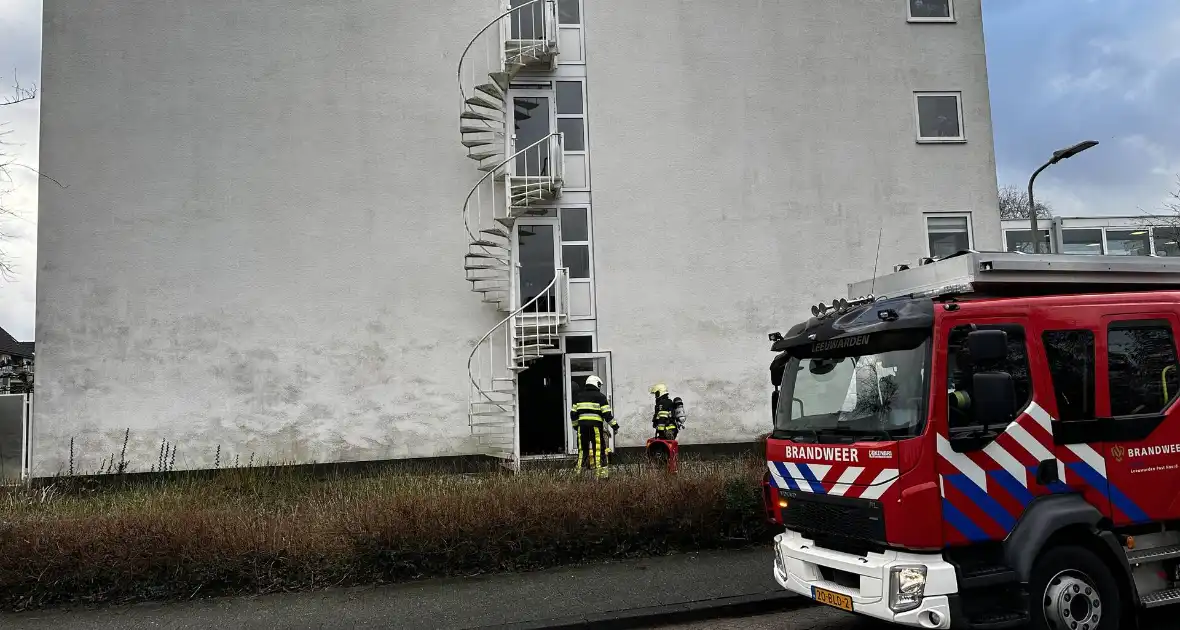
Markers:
{"x": 1047, "y": 472}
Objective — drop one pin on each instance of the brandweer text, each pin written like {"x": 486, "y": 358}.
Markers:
{"x": 831, "y": 453}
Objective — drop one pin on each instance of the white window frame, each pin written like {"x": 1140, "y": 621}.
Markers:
{"x": 581, "y": 28}
{"x": 585, "y": 126}
{"x": 589, "y": 243}
{"x": 909, "y": 11}
{"x": 960, "y": 139}
{"x": 948, "y": 215}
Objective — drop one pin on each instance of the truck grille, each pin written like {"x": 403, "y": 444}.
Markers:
{"x": 835, "y": 517}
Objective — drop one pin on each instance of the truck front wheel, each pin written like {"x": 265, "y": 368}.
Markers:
{"x": 1072, "y": 589}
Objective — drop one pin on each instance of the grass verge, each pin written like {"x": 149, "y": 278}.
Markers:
{"x": 249, "y": 532}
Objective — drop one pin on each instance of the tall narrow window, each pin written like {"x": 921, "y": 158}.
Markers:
{"x": 571, "y": 114}
{"x": 576, "y": 256}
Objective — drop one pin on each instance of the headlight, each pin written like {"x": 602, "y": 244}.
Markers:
{"x": 906, "y": 587}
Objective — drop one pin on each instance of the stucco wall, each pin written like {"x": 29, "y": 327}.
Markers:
{"x": 745, "y": 157}
{"x": 260, "y": 244}
{"x": 260, "y": 241}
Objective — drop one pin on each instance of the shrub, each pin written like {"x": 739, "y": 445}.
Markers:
{"x": 243, "y": 531}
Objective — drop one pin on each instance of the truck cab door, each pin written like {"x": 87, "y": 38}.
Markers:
{"x": 987, "y": 471}
{"x": 1067, "y": 364}
{"x": 1138, "y": 381}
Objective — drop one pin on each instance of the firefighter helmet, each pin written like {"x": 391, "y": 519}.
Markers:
{"x": 593, "y": 381}
{"x": 659, "y": 389}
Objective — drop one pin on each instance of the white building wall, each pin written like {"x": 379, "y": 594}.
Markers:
{"x": 260, "y": 245}
{"x": 260, "y": 241}
{"x": 746, "y": 155}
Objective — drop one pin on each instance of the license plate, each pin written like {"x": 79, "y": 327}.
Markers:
{"x": 836, "y": 600}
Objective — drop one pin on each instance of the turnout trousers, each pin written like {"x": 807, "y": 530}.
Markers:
{"x": 592, "y": 443}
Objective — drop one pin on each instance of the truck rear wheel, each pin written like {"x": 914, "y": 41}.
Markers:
{"x": 1072, "y": 589}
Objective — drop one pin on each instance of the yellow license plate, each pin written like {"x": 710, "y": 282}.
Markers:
{"x": 836, "y": 600}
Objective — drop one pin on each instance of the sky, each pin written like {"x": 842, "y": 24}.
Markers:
{"x": 1060, "y": 71}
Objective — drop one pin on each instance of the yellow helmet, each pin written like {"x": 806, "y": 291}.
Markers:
{"x": 659, "y": 389}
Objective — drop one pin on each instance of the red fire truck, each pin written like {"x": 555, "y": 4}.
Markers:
{"x": 990, "y": 441}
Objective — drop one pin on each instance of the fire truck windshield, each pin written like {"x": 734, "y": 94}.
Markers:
{"x": 873, "y": 396}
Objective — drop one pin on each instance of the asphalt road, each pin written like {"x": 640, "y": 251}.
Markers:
{"x": 823, "y": 618}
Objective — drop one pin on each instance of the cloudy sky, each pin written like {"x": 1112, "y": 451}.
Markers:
{"x": 1061, "y": 71}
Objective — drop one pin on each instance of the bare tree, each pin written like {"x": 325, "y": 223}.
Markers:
{"x": 1014, "y": 204}
{"x": 1166, "y": 224}
{"x": 8, "y": 163}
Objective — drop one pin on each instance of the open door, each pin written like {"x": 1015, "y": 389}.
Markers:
{"x": 578, "y": 366}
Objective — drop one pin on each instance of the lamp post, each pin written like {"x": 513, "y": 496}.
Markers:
{"x": 1060, "y": 154}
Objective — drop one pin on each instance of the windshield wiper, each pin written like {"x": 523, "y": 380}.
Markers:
{"x": 794, "y": 434}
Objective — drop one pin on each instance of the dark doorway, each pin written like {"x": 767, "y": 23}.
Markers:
{"x": 542, "y": 407}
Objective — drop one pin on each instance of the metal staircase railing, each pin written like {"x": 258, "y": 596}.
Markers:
{"x": 492, "y": 207}
{"x": 492, "y": 367}
{"x": 523, "y": 36}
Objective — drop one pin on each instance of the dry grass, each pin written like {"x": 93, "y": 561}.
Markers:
{"x": 246, "y": 531}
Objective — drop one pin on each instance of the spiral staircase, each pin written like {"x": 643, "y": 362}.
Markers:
{"x": 522, "y": 39}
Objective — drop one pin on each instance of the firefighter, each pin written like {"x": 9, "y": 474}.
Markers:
{"x": 591, "y": 414}
{"x": 661, "y": 419}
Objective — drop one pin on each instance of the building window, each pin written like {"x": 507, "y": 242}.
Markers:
{"x": 948, "y": 234}
{"x": 571, "y": 115}
{"x": 1018, "y": 241}
{"x": 931, "y": 10}
{"x": 1167, "y": 241}
{"x": 578, "y": 344}
{"x": 569, "y": 12}
{"x": 1082, "y": 241}
{"x": 940, "y": 116}
{"x": 575, "y": 242}
{"x": 1141, "y": 359}
{"x": 961, "y": 370}
{"x": 1128, "y": 242}
{"x": 1071, "y": 364}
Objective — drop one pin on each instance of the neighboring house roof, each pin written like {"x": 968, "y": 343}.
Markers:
{"x": 12, "y": 347}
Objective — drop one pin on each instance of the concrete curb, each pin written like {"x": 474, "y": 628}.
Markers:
{"x": 654, "y": 616}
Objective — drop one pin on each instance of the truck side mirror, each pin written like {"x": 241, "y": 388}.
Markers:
{"x": 777, "y": 368}
{"x": 994, "y": 399}
{"x": 987, "y": 345}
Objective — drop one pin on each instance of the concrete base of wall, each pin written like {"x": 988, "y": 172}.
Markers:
{"x": 459, "y": 465}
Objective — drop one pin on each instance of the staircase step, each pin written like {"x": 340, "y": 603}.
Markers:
{"x": 1153, "y": 554}
{"x": 495, "y": 232}
{"x": 486, "y": 255}
{"x": 1161, "y": 598}
{"x": 478, "y": 267}
{"x": 492, "y": 90}
{"x": 479, "y": 157}
{"x": 507, "y": 222}
{"x": 479, "y": 101}
{"x": 477, "y": 129}
{"x": 489, "y": 167}
{"x": 470, "y": 115}
{"x": 483, "y": 243}
{"x": 471, "y": 144}
{"x": 503, "y": 79}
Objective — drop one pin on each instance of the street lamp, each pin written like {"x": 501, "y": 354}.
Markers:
{"x": 1061, "y": 154}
